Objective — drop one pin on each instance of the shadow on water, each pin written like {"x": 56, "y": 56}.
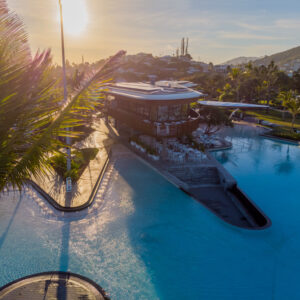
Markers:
{"x": 62, "y": 281}
{"x": 4, "y": 235}
{"x": 64, "y": 256}
{"x": 64, "y": 262}
{"x": 286, "y": 165}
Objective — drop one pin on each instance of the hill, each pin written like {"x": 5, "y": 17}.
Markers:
{"x": 240, "y": 60}
{"x": 290, "y": 57}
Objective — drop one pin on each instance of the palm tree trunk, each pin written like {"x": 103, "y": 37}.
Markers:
{"x": 238, "y": 94}
{"x": 293, "y": 121}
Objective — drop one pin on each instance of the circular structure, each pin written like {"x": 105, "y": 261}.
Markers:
{"x": 53, "y": 285}
{"x": 161, "y": 109}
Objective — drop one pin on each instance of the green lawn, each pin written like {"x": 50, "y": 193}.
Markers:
{"x": 275, "y": 117}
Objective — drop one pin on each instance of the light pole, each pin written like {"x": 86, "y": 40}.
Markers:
{"x": 68, "y": 140}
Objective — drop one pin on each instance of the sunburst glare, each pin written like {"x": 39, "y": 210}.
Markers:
{"x": 75, "y": 16}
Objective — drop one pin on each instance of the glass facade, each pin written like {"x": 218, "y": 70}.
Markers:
{"x": 162, "y": 113}
{"x": 154, "y": 112}
{"x": 175, "y": 112}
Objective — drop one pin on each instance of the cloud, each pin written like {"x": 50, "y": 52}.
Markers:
{"x": 269, "y": 25}
{"x": 252, "y": 26}
{"x": 248, "y": 36}
{"x": 217, "y": 29}
{"x": 288, "y": 23}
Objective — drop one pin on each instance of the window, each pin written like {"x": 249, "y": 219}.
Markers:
{"x": 185, "y": 110}
{"x": 162, "y": 113}
{"x": 143, "y": 110}
{"x": 153, "y": 113}
{"x": 174, "y": 112}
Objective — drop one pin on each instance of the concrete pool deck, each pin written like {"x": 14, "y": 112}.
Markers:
{"x": 53, "y": 188}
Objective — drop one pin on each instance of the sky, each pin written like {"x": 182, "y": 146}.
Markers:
{"x": 218, "y": 30}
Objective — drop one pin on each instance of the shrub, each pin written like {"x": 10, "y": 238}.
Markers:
{"x": 284, "y": 133}
{"x": 80, "y": 160}
{"x": 89, "y": 153}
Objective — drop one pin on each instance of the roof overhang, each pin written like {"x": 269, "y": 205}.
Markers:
{"x": 152, "y": 93}
{"x": 232, "y": 105}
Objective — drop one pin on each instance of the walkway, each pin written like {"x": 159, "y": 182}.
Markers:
{"x": 55, "y": 187}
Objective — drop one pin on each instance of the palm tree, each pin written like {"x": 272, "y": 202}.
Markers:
{"x": 249, "y": 67}
{"x": 269, "y": 77}
{"x": 235, "y": 75}
{"x": 227, "y": 94}
{"x": 76, "y": 79}
{"x": 31, "y": 114}
{"x": 291, "y": 102}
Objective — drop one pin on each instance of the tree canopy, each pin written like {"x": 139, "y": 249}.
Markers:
{"x": 247, "y": 83}
{"x": 291, "y": 101}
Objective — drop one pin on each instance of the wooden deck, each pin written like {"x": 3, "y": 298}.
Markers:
{"x": 53, "y": 286}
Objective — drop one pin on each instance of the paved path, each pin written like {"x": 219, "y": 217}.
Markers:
{"x": 53, "y": 184}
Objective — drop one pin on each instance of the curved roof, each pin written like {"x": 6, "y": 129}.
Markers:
{"x": 184, "y": 83}
{"x": 152, "y": 92}
{"x": 231, "y": 104}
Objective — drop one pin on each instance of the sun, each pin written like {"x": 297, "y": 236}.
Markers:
{"x": 75, "y": 16}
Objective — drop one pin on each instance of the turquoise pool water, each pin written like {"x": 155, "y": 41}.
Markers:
{"x": 145, "y": 239}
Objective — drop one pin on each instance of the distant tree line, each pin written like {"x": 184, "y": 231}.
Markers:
{"x": 248, "y": 84}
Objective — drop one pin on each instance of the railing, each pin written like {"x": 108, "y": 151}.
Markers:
{"x": 157, "y": 129}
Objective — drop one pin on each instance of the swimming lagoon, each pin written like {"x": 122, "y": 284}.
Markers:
{"x": 145, "y": 239}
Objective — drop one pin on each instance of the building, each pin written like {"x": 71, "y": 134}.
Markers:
{"x": 159, "y": 110}
{"x": 166, "y": 58}
{"x": 193, "y": 70}
{"x": 221, "y": 68}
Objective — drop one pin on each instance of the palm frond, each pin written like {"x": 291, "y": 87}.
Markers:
{"x": 36, "y": 158}
{"x": 31, "y": 115}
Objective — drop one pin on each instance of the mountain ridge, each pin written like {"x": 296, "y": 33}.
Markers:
{"x": 281, "y": 58}
{"x": 288, "y": 59}
{"x": 240, "y": 60}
